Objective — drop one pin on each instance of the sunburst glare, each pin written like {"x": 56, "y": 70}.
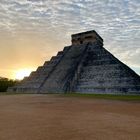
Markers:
{"x": 20, "y": 74}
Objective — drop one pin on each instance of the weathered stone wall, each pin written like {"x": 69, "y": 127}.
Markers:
{"x": 103, "y": 73}
{"x": 56, "y": 82}
{"x": 85, "y": 37}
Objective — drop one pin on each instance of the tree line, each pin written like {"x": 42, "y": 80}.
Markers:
{"x": 5, "y": 83}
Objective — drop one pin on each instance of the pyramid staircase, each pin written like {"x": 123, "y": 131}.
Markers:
{"x": 32, "y": 83}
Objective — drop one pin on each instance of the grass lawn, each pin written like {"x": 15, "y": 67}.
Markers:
{"x": 6, "y": 93}
{"x": 106, "y": 96}
{"x": 98, "y": 96}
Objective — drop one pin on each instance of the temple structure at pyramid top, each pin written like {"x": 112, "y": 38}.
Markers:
{"x": 83, "y": 67}
{"x": 85, "y": 37}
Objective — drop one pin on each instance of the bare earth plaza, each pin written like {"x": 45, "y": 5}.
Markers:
{"x": 57, "y": 117}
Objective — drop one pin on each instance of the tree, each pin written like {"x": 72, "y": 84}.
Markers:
{"x": 5, "y": 83}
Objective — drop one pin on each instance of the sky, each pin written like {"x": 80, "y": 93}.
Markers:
{"x": 32, "y": 31}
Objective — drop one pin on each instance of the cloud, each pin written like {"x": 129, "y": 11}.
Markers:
{"x": 117, "y": 21}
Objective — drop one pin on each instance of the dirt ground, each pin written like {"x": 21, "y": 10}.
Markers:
{"x": 54, "y": 117}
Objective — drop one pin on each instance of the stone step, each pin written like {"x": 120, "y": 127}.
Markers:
{"x": 110, "y": 79}
{"x": 109, "y": 82}
{"x": 99, "y": 51}
{"x": 111, "y": 74}
{"x": 60, "y": 53}
{"x": 100, "y": 62}
{"x": 100, "y": 57}
{"x": 108, "y": 85}
{"x": 43, "y": 69}
{"x": 32, "y": 74}
{"x": 24, "y": 90}
{"x": 66, "y": 48}
{"x": 104, "y": 68}
{"x": 46, "y": 63}
{"x": 110, "y": 90}
{"x": 54, "y": 58}
{"x": 39, "y": 68}
{"x": 103, "y": 72}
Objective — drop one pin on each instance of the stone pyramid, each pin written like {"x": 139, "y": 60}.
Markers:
{"x": 83, "y": 67}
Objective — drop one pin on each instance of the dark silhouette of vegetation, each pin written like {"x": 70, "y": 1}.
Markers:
{"x": 5, "y": 83}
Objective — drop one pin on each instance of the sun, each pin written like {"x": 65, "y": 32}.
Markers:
{"x": 20, "y": 74}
